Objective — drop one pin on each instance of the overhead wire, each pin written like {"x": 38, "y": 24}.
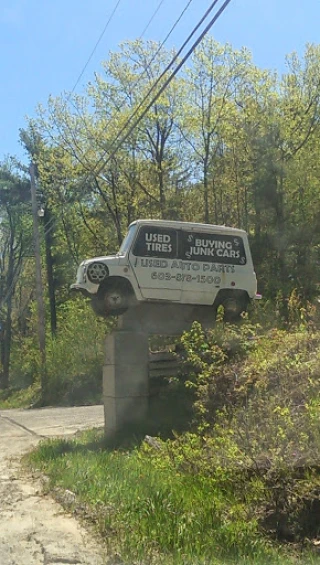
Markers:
{"x": 98, "y": 169}
{"x": 173, "y": 27}
{"x": 154, "y": 55}
{"x": 166, "y": 83}
{"x": 151, "y": 19}
{"x": 164, "y": 72}
{"x": 101, "y": 36}
{"x": 163, "y": 42}
{"x": 49, "y": 226}
{"x": 95, "y": 46}
{"x": 109, "y": 20}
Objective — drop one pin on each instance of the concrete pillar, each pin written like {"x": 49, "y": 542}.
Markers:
{"x": 166, "y": 319}
{"x": 125, "y": 379}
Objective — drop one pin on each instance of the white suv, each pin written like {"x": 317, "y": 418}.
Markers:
{"x": 172, "y": 262}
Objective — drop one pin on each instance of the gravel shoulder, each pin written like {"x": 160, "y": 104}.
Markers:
{"x": 34, "y": 529}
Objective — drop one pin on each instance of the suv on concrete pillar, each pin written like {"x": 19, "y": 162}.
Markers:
{"x": 172, "y": 262}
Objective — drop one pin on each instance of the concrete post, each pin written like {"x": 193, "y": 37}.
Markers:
{"x": 125, "y": 379}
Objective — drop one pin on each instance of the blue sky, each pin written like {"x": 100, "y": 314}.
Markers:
{"x": 45, "y": 44}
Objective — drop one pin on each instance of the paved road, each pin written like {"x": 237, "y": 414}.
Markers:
{"x": 51, "y": 422}
{"x": 34, "y": 530}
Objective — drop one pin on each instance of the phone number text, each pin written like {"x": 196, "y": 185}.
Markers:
{"x": 183, "y": 277}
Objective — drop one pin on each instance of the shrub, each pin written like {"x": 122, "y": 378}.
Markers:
{"x": 257, "y": 421}
{"x": 74, "y": 357}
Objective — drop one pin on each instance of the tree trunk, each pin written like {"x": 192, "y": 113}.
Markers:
{"x": 7, "y": 333}
{"x": 49, "y": 267}
{"x": 6, "y": 346}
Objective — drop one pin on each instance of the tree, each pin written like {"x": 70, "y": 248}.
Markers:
{"x": 15, "y": 239}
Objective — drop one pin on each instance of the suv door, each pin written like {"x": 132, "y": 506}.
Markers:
{"x": 152, "y": 259}
{"x": 213, "y": 259}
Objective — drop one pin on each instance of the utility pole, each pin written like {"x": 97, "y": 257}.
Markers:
{"x": 39, "y": 287}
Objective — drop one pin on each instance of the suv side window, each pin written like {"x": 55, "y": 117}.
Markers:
{"x": 213, "y": 248}
{"x": 153, "y": 241}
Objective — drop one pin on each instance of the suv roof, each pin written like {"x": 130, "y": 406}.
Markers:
{"x": 188, "y": 225}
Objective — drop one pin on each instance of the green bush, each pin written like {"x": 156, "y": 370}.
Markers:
{"x": 74, "y": 357}
{"x": 256, "y": 409}
{"x": 245, "y": 477}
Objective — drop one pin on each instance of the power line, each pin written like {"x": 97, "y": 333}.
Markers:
{"x": 47, "y": 230}
{"x": 152, "y": 18}
{"x": 164, "y": 86}
{"x": 165, "y": 71}
{"x": 95, "y": 47}
{"x": 166, "y": 83}
{"x": 90, "y": 56}
{"x": 51, "y": 227}
{"x": 175, "y": 24}
{"x": 160, "y": 91}
{"x": 157, "y": 51}
{"x": 154, "y": 55}
{"x": 163, "y": 42}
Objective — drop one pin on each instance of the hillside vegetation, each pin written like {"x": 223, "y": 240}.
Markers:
{"x": 226, "y": 469}
{"x": 226, "y": 143}
{"x": 240, "y": 483}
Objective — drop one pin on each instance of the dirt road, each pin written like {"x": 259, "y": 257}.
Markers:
{"x": 34, "y": 530}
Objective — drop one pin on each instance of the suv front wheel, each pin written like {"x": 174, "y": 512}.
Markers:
{"x": 112, "y": 299}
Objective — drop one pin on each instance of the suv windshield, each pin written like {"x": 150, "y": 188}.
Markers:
{"x": 126, "y": 244}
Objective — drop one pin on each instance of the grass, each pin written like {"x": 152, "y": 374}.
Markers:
{"x": 147, "y": 512}
{"x": 20, "y": 398}
{"x": 194, "y": 499}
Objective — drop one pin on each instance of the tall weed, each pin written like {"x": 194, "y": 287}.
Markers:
{"x": 74, "y": 356}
